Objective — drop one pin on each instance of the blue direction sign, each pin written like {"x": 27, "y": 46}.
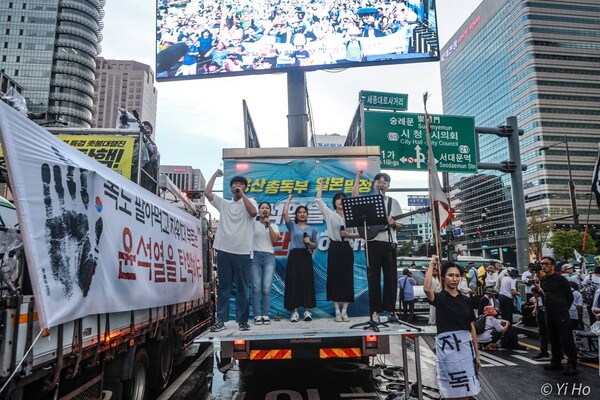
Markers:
{"x": 418, "y": 201}
{"x": 457, "y": 232}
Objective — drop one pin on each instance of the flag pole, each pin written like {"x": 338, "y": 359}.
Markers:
{"x": 430, "y": 159}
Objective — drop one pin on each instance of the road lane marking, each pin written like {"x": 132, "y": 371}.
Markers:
{"x": 489, "y": 362}
{"x": 529, "y": 360}
{"x": 591, "y": 365}
{"x": 500, "y": 360}
{"x": 183, "y": 377}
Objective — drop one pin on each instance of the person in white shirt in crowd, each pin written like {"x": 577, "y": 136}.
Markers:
{"x": 494, "y": 328}
{"x": 263, "y": 264}
{"x": 489, "y": 299}
{"x": 233, "y": 243}
{"x": 507, "y": 293}
{"x": 463, "y": 286}
{"x": 471, "y": 274}
{"x": 576, "y": 309}
{"x": 528, "y": 278}
{"x": 491, "y": 276}
{"x": 567, "y": 271}
{"x": 436, "y": 287}
{"x": 501, "y": 274}
{"x": 590, "y": 284}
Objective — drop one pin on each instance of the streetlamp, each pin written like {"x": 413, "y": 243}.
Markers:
{"x": 571, "y": 183}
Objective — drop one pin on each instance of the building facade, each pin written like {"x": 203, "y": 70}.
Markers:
{"x": 538, "y": 61}
{"x": 49, "y": 47}
{"x": 125, "y": 84}
{"x": 184, "y": 177}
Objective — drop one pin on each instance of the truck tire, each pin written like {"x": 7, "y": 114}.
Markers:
{"x": 137, "y": 388}
{"x": 161, "y": 363}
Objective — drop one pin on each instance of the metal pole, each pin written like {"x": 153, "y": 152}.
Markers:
{"x": 572, "y": 189}
{"x": 297, "y": 114}
{"x": 587, "y": 224}
{"x": 405, "y": 365}
{"x": 418, "y": 369}
{"x": 519, "y": 214}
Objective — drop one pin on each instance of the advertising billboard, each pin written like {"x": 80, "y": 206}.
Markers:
{"x": 213, "y": 38}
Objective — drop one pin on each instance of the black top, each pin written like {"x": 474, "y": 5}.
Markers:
{"x": 453, "y": 313}
{"x": 557, "y": 292}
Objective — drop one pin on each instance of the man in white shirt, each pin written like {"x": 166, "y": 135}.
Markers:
{"x": 528, "y": 278}
{"x": 233, "y": 242}
{"x": 508, "y": 290}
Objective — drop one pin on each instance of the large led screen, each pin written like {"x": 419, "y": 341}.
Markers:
{"x": 209, "y": 38}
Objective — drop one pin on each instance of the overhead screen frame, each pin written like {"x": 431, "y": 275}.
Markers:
{"x": 428, "y": 23}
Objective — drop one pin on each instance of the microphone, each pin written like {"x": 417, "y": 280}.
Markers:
{"x": 342, "y": 229}
{"x": 307, "y": 245}
{"x": 236, "y": 190}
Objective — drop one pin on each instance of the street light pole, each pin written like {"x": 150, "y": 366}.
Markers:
{"x": 571, "y": 182}
{"x": 572, "y": 189}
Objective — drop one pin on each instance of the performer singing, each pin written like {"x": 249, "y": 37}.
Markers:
{"x": 340, "y": 256}
{"x": 382, "y": 252}
{"x": 234, "y": 245}
{"x": 299, "y": 276}
{"x": 263, "y": 264}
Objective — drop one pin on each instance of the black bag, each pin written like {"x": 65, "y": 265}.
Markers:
{"x": 480, "y": 325}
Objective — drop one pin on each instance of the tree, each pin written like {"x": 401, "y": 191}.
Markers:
{"x": 563, "y": 243}
{"x": 539, "y": 227}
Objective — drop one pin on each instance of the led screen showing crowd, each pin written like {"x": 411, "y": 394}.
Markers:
{"x": 205, "y": 38}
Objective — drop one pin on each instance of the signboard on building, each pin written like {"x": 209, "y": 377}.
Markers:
{"x": 401, "y": 138}
{"x": 384, "y": 100}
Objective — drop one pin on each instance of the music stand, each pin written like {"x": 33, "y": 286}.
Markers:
{"x": 359, "y": 212}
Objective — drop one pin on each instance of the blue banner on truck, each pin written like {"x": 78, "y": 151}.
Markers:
{"x": 272, "y": 180}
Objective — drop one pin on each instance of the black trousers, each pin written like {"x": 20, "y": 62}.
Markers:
{"x": 560, "y": 336}
{"x": 506, "y": 308}
{"x": 408, "y": 310}
{"x": 382, "y": 257}
{"x": 543, "y": 331}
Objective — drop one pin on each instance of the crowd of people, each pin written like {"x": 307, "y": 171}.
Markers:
{"x": 245, "y": 256}
{"x": 248, "y": 35}
{"x": 553, "y": 301}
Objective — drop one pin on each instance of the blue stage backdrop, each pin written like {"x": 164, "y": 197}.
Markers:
{"x": 272, "y": 181}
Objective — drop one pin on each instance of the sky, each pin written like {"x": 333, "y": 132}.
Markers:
{"x": 196, "y": 119}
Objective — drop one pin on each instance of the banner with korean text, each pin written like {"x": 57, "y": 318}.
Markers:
{"x": 116, "y": 152}
{"x": 94, "y": 241}
{"x": 272, "y": 180}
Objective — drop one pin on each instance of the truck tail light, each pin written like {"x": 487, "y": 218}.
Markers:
{"x": 371, "y": 341}
{"x": 239, "y": 345}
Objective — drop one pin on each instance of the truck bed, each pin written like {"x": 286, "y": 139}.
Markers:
{"x": 317, "y": 328}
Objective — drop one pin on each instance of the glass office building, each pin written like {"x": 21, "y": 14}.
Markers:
{"x": 49, "y": 48}
{"x": 538, "y": 61}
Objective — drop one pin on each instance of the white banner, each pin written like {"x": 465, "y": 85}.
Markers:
{"x": 95, "y": 242}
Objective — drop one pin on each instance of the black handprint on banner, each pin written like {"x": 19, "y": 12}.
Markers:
{"x": 68, "y": 235}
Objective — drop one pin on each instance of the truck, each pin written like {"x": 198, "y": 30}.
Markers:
{"x": 104, "y": 284}
{"x": 274, "y": 173}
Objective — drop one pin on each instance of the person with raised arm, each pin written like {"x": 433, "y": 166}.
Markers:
{"x": 457, "y": 351}
{"x": 382, "y": 252}
{"x": 340, "y": 255}
{"x": 233, "y": 242}
{"x": 299, "y": 274}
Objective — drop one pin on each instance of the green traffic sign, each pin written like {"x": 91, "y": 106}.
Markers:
{"x": 384, "y": 100}
{"x": 401, "y": 138}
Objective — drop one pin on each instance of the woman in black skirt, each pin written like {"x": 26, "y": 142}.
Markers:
{"x": 456, "y": 341}
{"x": 340, "y": 256}
{"x": 299, "y": 276}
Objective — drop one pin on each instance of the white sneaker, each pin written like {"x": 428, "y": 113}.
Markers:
{"x": 307, "y": 316}
{"x": 295, "y": 317}
{"x": 375, "y": 317}
{"x": 266, "y": 320}
{"x": 338, "y": 318}
{"x": 345, "y": 318}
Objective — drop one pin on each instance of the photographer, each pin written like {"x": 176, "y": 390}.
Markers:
{"x": 150, "y": 160}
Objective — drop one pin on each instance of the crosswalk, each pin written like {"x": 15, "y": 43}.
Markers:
{"x": 490, "y": 360}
